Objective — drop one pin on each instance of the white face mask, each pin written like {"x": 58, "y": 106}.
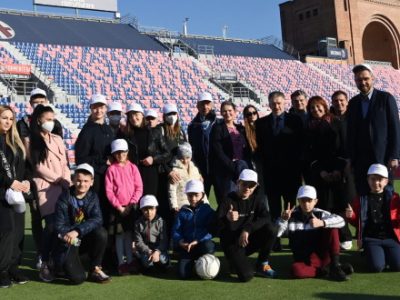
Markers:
{"x": 171, "y": 120}
{"x": 48, "y": 126}
{"x": 114, "y": 120}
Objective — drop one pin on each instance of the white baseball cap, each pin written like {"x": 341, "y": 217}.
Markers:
{"x": 206, "y": 96}
{"x": 38, "y": 91}
{"x": 248, "y": 175}
{"x": 119, "y": 145}
{"x": 194, "y": 186}
{"x": 135, "y": 107}
{"x": 362, "y": 67}
{"x": 115, "y": 106}
{"x": 378, "y": 169}
{"x": 169, "y": 108}
{"x": 148, "y": 200}
{"x": 85, "y": 167}
{"x": 151, "y": 113}
{"x": 98, "y": 98}
{"x": 307, "y": 191}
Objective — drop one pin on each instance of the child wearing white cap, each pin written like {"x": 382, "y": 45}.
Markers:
{"x": 376, "y": 215}
{"x": 150, "y": 236}
{"x": 124, "y": 188}
{"x": 185, "y": 168}
{"x": 314, "y": 238}
{"x": 245, "y": 228}
{"x": 193, "y": 227}
{"x": 78, "y": 225}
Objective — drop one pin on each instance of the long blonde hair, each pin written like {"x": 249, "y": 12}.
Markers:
{"x": 12, "y": 136}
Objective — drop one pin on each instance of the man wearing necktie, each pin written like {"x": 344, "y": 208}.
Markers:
{"x": 373, "y": 128}
{"x": 279, "y": 139}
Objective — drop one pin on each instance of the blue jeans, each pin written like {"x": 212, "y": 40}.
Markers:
{"x": 381, "y": 253}
{"x": 186, "y": 260}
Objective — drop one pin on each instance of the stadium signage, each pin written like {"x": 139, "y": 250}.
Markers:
{"x": 337, "y": 53}
{"x": 101, "y": 5}
{"x": 6, "y": 31}
{"x": 15, "y": 69}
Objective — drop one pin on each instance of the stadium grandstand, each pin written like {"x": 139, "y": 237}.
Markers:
{"x": 73, "y": 58}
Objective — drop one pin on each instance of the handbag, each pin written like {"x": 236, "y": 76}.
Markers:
{"x": 13, "y": 198}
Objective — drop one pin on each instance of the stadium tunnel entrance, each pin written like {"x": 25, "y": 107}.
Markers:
{"x": 381, "y": 41}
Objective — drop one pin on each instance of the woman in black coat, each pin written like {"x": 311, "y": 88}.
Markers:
{"x": 12, "y": 175}
{"x": 229, "y": 151}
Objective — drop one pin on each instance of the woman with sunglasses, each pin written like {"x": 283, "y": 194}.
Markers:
{"x": 250, "y": 116}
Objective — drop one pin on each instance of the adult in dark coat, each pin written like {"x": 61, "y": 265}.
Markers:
{"x": 373, "y": 128}
{"x": 199, "y": 136}
{"x": 229, "y": 151}
{"x": 280, "y": 142}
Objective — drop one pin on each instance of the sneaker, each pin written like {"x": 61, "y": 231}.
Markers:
{"x": 45, "y": 273}
{"x": 265, "y": 270}
{"x": 347, "y": 245}
{"x": 134, "y": 267}
{"x": 16, "y": 275}
{"x": 336, "y": 273}
{"x": 99, "y": 276}
{"x": 38, "y": 262}
{"x": 5, "y": 281}
{"x": 123, "y": 269}
{"x": 322, "y": 272}
{"x": 347, "y": 268}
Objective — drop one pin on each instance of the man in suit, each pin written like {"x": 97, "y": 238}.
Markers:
{"x": 279, "y": 138}
{"x": 373, "y": 128}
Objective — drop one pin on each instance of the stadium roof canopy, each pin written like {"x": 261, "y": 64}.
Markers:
{"x": 69, "y": 31}
{"x": 238, "y": 48}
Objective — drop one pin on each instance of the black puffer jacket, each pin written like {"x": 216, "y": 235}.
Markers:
{"x": 93, "y": 145}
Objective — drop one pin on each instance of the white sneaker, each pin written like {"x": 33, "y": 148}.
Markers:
{"x": 347, "y": 245}
{"x": 38, "y": 262}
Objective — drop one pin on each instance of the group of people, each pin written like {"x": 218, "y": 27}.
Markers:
{"x": 140, "y": 189}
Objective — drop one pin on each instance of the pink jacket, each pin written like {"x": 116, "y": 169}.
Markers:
{"x": 124, "y": 184}
{"x": 52, "y": 175}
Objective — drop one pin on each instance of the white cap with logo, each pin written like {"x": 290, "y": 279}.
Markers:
{"x": 86, "y": 167}
{"x": 169, "y": 108}
{"x": 135, "y": 107}
{"x": 194, "y": 186}
{"x": 98, "y": 98}
{"x": 151, "y": 113}
{"x": 119, "y": 145}
{"x": 115, "y": 106}
{"x": 378, "y": 169}
{"x": 148, "y": 200}
{"x": 38, "y": 91}
{"x": 307, "y": 191}
{"x": 248, "y": 175}
{"x": 206, "y": 96}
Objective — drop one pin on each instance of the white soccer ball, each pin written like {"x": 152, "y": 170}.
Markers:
{"x": 207, "y": 266}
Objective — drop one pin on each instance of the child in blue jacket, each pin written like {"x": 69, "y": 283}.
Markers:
{"x": 192, "y": 229}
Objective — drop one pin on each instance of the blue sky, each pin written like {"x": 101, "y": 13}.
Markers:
{"x": 249, "y": 19}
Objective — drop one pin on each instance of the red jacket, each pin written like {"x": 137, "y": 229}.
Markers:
{"x": 360, "y": 213}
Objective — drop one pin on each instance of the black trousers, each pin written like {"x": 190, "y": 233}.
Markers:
{"x": 261, "y": 240}
{"x": 94, "y": 244}
{"x": 6, "y": 250}
{"x": 36, "y": 223}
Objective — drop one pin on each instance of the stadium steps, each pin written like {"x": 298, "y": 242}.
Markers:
{"x": 332, "y": 78}
{"x": 65, "y": 121}
{"x": 59, "y": 94}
